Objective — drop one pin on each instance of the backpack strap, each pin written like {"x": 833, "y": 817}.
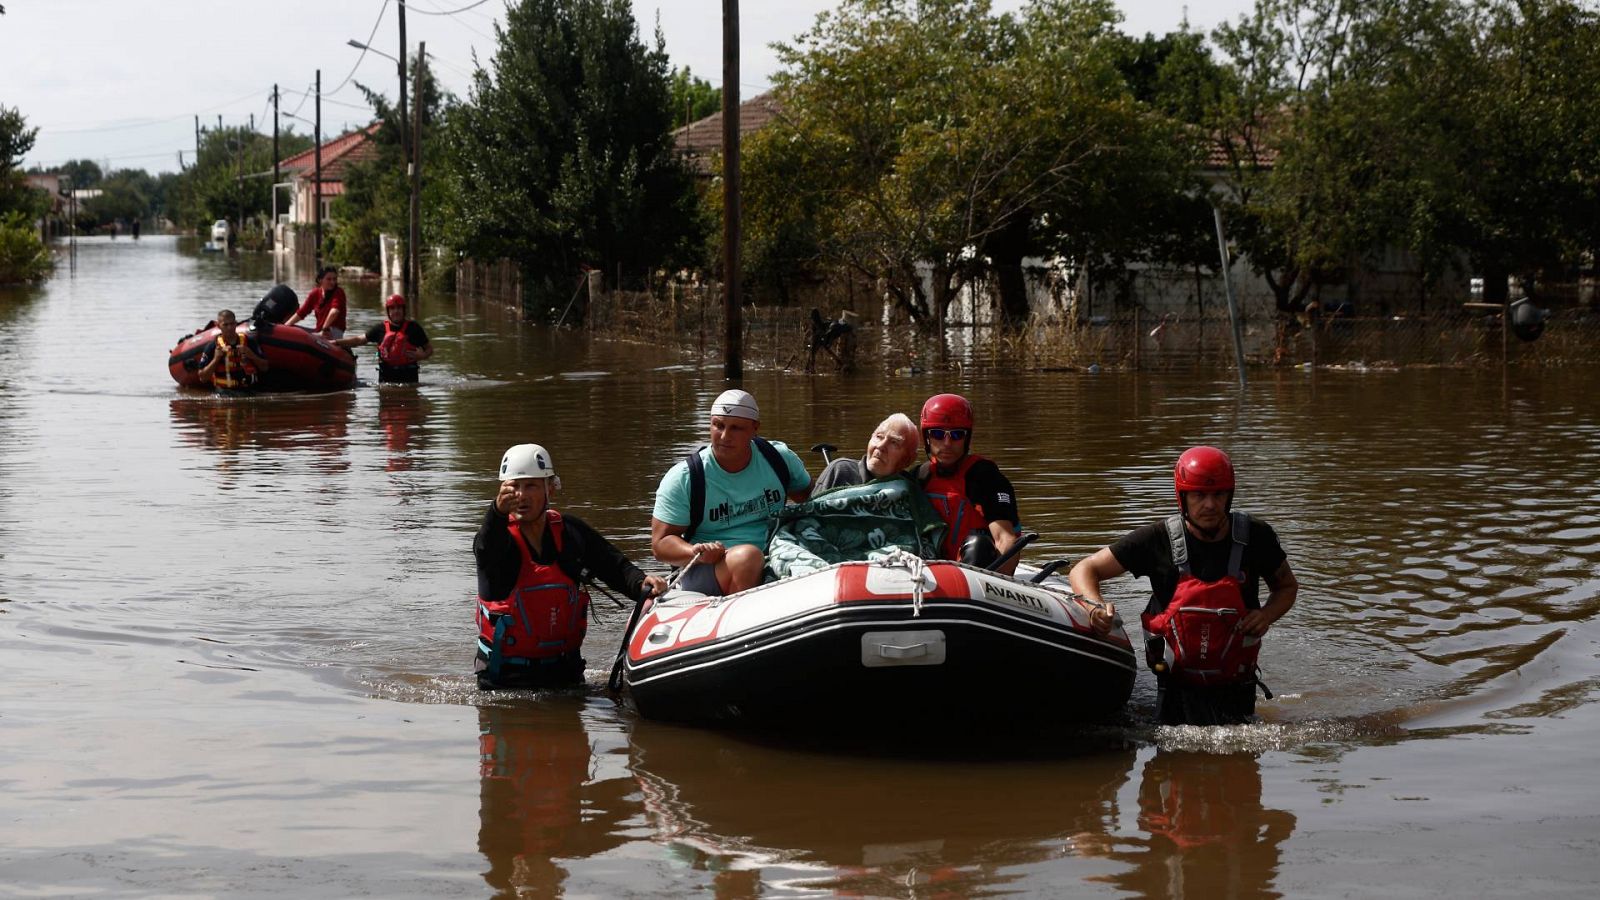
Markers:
{"x": 569, "y": 553}
{"x": 1241, "y": 539}
{"x": 697, "y": 492}
{"x": 775, "y": 460}
{"x": 697, "y": 479}
{"x": 1180, "y": 545}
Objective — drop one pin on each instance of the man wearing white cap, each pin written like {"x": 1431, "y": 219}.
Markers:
{"x": 717, "y": 502}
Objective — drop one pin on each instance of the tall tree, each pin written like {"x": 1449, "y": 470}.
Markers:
{"x": 562, "y": 157}
{"x": 940, "y": 143}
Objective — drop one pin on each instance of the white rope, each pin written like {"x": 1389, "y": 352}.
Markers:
{"x": 916, "y": 565}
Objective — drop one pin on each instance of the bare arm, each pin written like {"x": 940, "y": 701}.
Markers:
{"x": 1282, "y": 590}
{"x": 259, "y": 360}
{"x": 668, "y": 544}
{"x": 353, "y": 341}
{"x": 1005, "y": 535}
{"x": 1086, "y": 578}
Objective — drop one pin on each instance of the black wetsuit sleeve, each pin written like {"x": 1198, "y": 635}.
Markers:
{"x": 604, "y": 561}
{"x": 415, "y": 335}
{"x": 990, "y": 489}
{"x": 497, "y": 556}
{"x": 375, "y": 334}
{"x": 1136, "y": 551}
{"x": 1264, "y": 554}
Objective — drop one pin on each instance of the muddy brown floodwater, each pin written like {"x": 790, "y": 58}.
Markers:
{"x": 235, "y": 633}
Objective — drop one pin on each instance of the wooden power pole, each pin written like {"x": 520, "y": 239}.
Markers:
{"x": 733, "y": 337}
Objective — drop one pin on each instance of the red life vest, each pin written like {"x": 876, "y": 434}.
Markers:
{"x": 234, "y": 370}
{"x": 395, "y": 348}
{"x": 948, "y": 494}
{"x": 544, "y": 617}
{"x": 1199, "y": 626}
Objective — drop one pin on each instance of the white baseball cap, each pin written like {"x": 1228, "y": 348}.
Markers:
{"x": 736, "y": 403}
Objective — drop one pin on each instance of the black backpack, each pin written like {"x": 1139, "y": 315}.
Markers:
{"x": 697, "y": 480}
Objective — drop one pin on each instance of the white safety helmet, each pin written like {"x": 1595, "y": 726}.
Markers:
{"x": 527, "y": 461}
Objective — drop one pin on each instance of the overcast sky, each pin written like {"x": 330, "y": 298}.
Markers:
{"x": 120, "y": 81}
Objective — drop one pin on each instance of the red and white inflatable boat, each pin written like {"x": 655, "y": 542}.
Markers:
{"x": 903, "y": 641}
{"x": 299, "y": 359}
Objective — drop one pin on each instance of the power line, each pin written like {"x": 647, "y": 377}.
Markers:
{"x": 449, "y": 12}
{"x": 374, "y": 33}
{"x": 146, "y": 123}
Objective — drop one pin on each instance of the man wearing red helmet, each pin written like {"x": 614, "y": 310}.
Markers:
{"x": 1204, "y": 622}
{"x": 966, "y": 489}
{"x": 401, "y": 343}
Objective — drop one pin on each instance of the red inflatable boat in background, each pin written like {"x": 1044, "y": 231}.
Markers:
{"x": 299, "y": 360}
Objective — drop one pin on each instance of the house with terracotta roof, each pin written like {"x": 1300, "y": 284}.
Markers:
{"x": 700, "y": 142}
{"x": 338, "y": 155}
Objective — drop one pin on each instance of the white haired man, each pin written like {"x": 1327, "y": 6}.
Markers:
{"x": 891, "y": 449}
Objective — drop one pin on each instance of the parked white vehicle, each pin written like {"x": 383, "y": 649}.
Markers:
{"x": 219, "y": 231}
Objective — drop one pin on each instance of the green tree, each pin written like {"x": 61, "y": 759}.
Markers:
{"x": 23, "y": 256}
{"x": 126, "y": 195}
{"x": 692, "y": 98}
{"x": 85, "y": 173}
{"x": 563, "y": 155}
{"x": 935, "y": 143}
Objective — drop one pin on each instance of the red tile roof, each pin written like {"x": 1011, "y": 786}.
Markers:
{"x": 337, "y": 155}
{"x": 700, "y": 141}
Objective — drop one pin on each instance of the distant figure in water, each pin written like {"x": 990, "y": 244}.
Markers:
{"x": 136, "y": 229}
{"x": 533, "y": 612}
{"x": 401, "y": 343}
{"x": 233, "y": 364}
{"x": 1204, "y": 622}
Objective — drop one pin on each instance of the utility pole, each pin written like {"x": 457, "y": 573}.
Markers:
{"x": 413, "y": 243}
{"x": 272, "y": 227}
{"x": 316, "y": 201}
{"x": 197, "y": 140}
{"x": 238, "y": 182}
{"x": 405, "y": 153}
{"x": 733, "y": 337}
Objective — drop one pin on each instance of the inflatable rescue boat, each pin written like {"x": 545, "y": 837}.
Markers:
{"x": 899, "y": 641}
{"x": 298, "y": 359}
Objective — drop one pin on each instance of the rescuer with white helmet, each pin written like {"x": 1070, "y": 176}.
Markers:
{"x": 533, "y": 561}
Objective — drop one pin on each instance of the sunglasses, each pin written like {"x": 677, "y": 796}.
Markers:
{"x": 954, "y": 434}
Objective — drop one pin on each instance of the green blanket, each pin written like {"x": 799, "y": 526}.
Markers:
{"x": 854, "y": 522}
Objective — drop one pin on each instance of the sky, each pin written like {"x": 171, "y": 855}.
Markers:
{"x": 121, "y": 81}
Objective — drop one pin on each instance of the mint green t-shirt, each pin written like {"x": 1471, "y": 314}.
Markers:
{"x": 738, "y": 504}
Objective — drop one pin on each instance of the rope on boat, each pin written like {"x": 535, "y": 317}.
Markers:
{"x": 916, "y": 565}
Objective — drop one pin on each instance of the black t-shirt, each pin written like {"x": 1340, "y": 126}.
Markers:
{"x": 414, "y": 334}
{"x": 499, "y": 560}
{"x": 1147, "y": 552}
{"x": 988, "y": 488}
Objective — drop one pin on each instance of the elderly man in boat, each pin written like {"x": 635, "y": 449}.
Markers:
{"x": 865, "y": 509}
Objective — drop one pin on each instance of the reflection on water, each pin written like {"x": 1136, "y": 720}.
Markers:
{"x": 1207, "y": 833}
{"x": 538, "y": 801}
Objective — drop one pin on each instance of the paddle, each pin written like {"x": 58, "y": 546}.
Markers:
{"x": 1016, "y": 548}
{"x": 824, "y": 449}
{"x": 1045, "y": 572}
{"x": 614, "y": 683}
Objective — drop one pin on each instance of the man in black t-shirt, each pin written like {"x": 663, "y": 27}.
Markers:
{"x": 1225, "y": 554}
{"x": 401, "y": 343}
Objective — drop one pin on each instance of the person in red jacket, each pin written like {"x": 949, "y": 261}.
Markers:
{"x": 967, "y": 490}
{"x": 326, "y": 303}
{"x": 401, "y": 343}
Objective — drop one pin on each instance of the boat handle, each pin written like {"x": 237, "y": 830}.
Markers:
{"x": 909, "y": 651}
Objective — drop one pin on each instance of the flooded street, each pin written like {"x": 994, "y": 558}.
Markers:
{"x": 236, "y": 634}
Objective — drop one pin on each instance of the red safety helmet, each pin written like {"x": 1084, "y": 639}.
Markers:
{"x": 946, "y": 411}
{"x": 394, "y": 300}
{"x": 1202, "y": 469}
